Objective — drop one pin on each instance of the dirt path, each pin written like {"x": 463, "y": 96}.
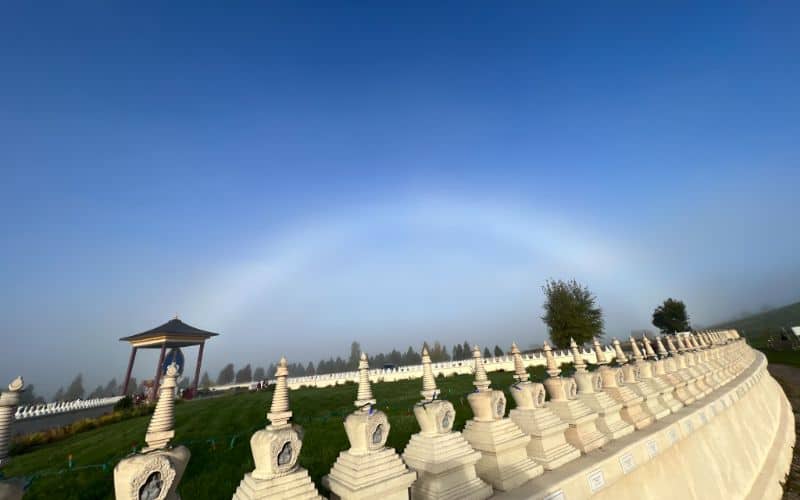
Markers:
{"x": 789, "y": 378}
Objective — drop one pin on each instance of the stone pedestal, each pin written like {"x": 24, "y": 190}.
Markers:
{"x": 653, "y": 372}
{"x": 548, "y": 445}
{"x": 368, "y": 469}
{"x": 582, "y": 432}
{"x": 631, "y": 378}
{"x": 276, "y": 450}
{"x": 632, "y": 411}
{"x": 504, "y": 461}
{"x": 686, "y": 375}
{"x": 442, "y": 458}
{"x": 156, "y": 472}
{"x": 668, "y": 369}
{"x": 590, "y": 393}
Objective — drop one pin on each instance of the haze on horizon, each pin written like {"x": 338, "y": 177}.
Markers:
{"x": 298, "y": 177}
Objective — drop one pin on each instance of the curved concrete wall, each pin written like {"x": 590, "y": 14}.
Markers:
{"x": 736, "y": 443}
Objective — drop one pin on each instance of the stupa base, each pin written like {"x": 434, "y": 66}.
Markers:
{"x": 445, "y": 467}
{"x": 380, "y": 474}
{"x": 296, "y": 485}
{"x": 504, "y": 461}
{"x": 548, "y": 445}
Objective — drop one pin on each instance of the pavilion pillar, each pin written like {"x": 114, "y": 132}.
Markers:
{"x": 128, "y": 373}
{"x": 197, "y": 368}
{"x": 157, "y": 380}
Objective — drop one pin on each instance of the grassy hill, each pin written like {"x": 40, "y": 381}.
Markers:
{"x": 757, "y": 326}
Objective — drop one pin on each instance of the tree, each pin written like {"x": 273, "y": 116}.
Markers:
{"x": 671, "y": 317}
{"x": 467, "y": 350}
{"x": 271, "y": 370}
{"x": 29, "y": 397}
{"x": 111, "y": 389}
{"x": 59, "y": 395}
{"x": 498, "y": 352}
{"x": 571, "y": 312}
{"x": 259, "y": 374}
{"x": 458, "y": 352}
{"x": 486, "y": 353}
{"x": 205, "y": 381}
{"x": 96, "y": 393}
{"x": 244, "y": 375}
{"x": 310, "y": 369}
{"x": 226, "y": 375}
{"x": 355, "y": 356}
{"x": 75, "y": 389}
{"x": 132, "y": 386}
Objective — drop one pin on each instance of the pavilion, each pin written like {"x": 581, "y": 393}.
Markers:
{"x": 173, "y": 333}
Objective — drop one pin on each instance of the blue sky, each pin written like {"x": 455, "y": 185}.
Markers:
{"x": 297, "y": 175}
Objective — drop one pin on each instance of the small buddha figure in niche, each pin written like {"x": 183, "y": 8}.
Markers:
{"x": 151, "y": 488}
{"x": 285, "y": 456}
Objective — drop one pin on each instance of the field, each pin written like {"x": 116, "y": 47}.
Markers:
{"x": 217, "y": 431}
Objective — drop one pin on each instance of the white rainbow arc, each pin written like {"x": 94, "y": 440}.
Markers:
{"x": 584, "y": 254}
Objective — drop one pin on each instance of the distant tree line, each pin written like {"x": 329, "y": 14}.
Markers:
{"x": 438, "y": 353}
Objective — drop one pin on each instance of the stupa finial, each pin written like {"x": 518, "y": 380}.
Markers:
{"x": 429, "y": 389}
{"x": 599, "y": 352}
{"x": 481, "y": 381}
{"x": 364, "y": 398}
{"x": 577, "y": 357}
{"x": 520, "y": 373}
{"x": 621, "y": 357}
{"x": 552, "y": 367}
{"x": 279, "y": 412}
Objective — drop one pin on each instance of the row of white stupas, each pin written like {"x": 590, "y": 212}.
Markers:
{"x": 495, "y": 452}
{"x": 45, "y": 409}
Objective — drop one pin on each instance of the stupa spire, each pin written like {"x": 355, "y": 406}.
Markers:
{"x": 552, "y": 367}
{"x": 8, "y": 405}
{"x": 481, "y": 381}
{"x": 620, "y": 355}
{"x": 599, "y": 352}
{"x": 577, "y": 357}
{"x": 162, "y": 423}
{"x": 648, "y": 348}
{"x": 662, "y": 351}
{"x": 520, "y": 373}
{"x": 673, "y": 351}
{"x": 364, "y": 397}
{"x": 637, "y": 354}
{"x": 279, "y": 412}
{"x": 429, "y": 389}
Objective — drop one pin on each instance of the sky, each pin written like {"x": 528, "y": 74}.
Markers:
{"x": 299, "y": 175}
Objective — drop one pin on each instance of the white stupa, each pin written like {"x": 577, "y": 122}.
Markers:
{"x": 548, "y": 444}
{"x": 504, "y": 459}
{"x": 276, "y": 449}
{"x": 157, "y": 470}
{"x": 590, "y": 392}
{"x": 630, "y": 375}
{"x": 582, "y": 432}
{"x": 369, "y": 469}
{"x": 443, "y": 460}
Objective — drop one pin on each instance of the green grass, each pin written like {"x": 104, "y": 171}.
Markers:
{"x": 757, "y": 327}
{"x": 218, "y": 430}
{"x": 791, "y": 358}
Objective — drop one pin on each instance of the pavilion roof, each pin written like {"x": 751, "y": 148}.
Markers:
{"x": 172, "y": 329}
